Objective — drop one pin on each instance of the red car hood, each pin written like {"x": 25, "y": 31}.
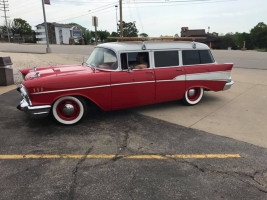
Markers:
{"x": 52, "y": 71}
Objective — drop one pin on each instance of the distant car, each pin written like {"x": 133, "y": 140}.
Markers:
{"x": 121, "y": 75}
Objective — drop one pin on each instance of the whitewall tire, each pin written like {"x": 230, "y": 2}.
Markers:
{"x": 193, "y": 96}
{"x": 69, "y": 110}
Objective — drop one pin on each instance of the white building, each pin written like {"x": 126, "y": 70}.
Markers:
{"x": 58, "y": 33}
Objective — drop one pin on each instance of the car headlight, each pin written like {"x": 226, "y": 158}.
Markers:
{"x": 24, "y": 93}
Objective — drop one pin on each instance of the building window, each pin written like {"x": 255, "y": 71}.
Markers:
{"x": 166, "y": 58}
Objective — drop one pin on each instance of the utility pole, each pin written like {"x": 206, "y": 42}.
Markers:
{"x": 116, "y": 18}
{"x": 4, "y": 8}
{"x": 48, "y": 50}
{"x": 95, "y": 24}
{"x": 121, "y": 27}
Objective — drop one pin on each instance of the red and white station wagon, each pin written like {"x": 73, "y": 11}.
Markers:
{"x": 121, "y": 75}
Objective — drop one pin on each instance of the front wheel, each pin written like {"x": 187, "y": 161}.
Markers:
{"x": 69, "y": 110}
{"x": 193, "y": 96}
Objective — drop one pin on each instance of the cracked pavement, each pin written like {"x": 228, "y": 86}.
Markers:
{"x": 122, "y": 133}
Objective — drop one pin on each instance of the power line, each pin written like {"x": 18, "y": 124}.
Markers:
{"x": 185, "y": 3}
{"x": 81, "y": 2}
{"x": 4, "y": 7}
{"x": 91, "y": 11}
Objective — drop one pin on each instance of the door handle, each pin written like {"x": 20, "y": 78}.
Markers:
{"x": 150, "y": 72}
{"x": 180, "y": 70}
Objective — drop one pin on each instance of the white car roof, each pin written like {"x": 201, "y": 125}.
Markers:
{"x": 152, "y": 45}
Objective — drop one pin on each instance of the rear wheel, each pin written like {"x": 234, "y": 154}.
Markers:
{"x": 193, "y": 96}
{"x": 69, "y": 110}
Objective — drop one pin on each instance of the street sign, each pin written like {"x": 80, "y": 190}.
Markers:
{"x": 47, "y": 2}
{"x": 95, "y": 21}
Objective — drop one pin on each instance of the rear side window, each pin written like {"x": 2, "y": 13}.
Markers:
{"x": 166, "y": 58}
{"x": 205, "y": 56}
{"x": 191, "y": 57}
{"x": 194, "y": 57}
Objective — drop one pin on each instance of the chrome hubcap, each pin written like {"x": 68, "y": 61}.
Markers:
{"x": 68, "y": 109}
{"x": 191, "y": 92}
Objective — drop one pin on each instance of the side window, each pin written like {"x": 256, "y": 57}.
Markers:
{"x": 191, "y": 57}
{"x": 124, "y": 64}
{"x": 205, "y": 56}
{"x": 135, "y": 60}
{"x": 166, "y": 58}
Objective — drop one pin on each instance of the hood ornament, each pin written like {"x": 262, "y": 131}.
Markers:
{"x": 36, "y": 75}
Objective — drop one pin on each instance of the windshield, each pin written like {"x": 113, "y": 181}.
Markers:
{"x": 102, "y": 58}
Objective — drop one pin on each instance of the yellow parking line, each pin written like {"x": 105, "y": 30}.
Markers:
{"x": 109, "y": 156}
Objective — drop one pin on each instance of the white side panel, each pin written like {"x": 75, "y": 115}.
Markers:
{"x": 209, "y": 76}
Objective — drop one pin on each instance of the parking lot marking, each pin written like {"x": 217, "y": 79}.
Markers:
{"x": 110, "y": 156}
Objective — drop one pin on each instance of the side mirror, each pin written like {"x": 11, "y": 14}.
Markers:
{"x": 130, "y": 69}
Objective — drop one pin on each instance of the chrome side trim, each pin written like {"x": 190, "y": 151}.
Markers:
{"x": 84, "y": 88}
{"x": 40, "y": 113}
{"x": 131, "y": 83}
{"x": 93, "y": 87}
{"x": 172, "y": 80}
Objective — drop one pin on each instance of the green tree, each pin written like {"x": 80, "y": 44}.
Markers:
{"x": 143, "y": 35}
{"x": 241, "y": 37}
{"x": 259, "y": 35}
{"x": 103, "y": 35}
{"x": 87, "y": 37}
{"x": 229, "y": 40}
{"x": 129, "y": 29}
{"x": 113, "y": 34}
{"x": 21, "y": 27}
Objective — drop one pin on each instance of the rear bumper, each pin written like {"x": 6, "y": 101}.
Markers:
{"x": 228, "y": 85}
{"x": 34, "y": 111}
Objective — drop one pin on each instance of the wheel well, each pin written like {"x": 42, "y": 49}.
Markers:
{"x": 88, "y": 102}
{"x": 204, "y": 88}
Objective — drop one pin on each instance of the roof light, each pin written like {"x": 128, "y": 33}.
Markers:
{"x": 143, "y": 45}
{"x": 194, "y": 46}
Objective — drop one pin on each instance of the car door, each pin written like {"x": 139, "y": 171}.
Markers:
{"x": 169, "y": 74}
{"x": 133, "y": 87}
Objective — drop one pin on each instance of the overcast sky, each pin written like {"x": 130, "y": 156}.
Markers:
{"x": 151, "y": 17}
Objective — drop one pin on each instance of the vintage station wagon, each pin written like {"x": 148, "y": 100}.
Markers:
{"x": 121, "y": 75}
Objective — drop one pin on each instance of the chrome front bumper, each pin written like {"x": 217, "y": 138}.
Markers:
{"x": 228, "y": 85}
{"x": 35, "y": 111}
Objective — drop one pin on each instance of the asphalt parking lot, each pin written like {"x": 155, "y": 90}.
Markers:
{"x": 122, "y": 155}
